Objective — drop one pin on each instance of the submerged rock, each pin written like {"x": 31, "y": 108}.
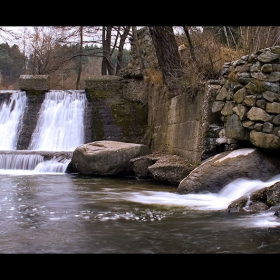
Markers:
{"x": 258, "y": 201}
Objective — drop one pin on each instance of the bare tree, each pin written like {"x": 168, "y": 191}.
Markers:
{"x": 168, "y": 56}
{"x": 69, "y": 35}
{"x": 123, "y": 36}
{"x": 107, "y": 66}
{"x": 24, "y": 43}
{"x": 253, "y": 38}
{"x": 113, "y": 39}
{"x": 43, "y": 57}
{"x": 137, "y": 46}
{"x": 80, "y": 57}
{"x": 7, "y": 35}
{"x": 190, "y": 44}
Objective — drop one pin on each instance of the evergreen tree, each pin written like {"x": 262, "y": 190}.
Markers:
{"x": 11, "y": 63}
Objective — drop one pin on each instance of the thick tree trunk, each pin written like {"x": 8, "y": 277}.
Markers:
{"x": 107, "y": 66}
{"x": 167, "y": 55}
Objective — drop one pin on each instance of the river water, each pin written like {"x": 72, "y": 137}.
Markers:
{"x": 59, "y": 213}
{"x": 44, "y": 210}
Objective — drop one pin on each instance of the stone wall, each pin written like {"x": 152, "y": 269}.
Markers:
{"x": 111, "y": 113}
{"x": 35, "y": 87}
{"x": 34, "y": 83}
{"x": 248, "y": 101}
{"x": 29, "y": 120}
{"x": 115, "y": 115}
{"x": 244, "y": 106}
{"x": 176, "y": 125}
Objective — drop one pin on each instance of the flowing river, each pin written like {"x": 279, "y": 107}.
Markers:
{"x": 62, "y": 213}
{"x": 45, "y": 210}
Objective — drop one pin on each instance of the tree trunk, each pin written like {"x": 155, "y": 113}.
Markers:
{"x": 107, "y": 66}
{"x": 121, "y": 46}
{"x": 80, "y": 59}
{"x": 190, "y": 44}
{"x": 137, "y": 46}
{"x": 168, "y": 56}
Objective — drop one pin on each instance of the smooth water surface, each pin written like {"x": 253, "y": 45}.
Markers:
{"x": 65, "y": 213}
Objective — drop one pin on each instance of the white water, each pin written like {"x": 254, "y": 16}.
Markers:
{"x": 53, "y": 165}
{"x": 210, "y": 201}
{"x": 25, "y": 162}
{"x": 61, "y": 122}
{"x": 31, "y": 164}
{"x": 11, "y": 113}
{"x": 214, "y": 201}
{"x": 60, "y": 127}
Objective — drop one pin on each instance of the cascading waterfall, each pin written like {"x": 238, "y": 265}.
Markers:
{"x": 56, "y": 164}
{"x": 26, "y": 162}
{"x": 60, "y": 127}
{"x": 11, "y": 112}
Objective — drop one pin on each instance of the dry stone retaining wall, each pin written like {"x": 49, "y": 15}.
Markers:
{"x": 248, "y": 101}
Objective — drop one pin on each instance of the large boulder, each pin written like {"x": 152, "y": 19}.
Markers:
{"x": 106, "y": 158}
{"x": 216, "y": 172}
{"x": 162, "y": 167}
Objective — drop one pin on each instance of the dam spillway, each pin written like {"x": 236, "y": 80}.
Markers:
{"x": 60, "y": 123}
{"x": 58, "y": 129}
{"x": 12, "y": 106}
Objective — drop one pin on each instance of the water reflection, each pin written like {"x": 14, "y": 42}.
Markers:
{"x": 64, "y": 213}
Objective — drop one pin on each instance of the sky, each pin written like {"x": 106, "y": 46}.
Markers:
{"x": 15, "y": 29}
{"x": 19, "y": 29}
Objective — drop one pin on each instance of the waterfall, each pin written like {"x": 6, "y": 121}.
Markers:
{"x": 25, "y": 162}
{"x": 61, "y": 121}
{"x": 53, "y": 165}
{"x": 60, "y": 127}
{"x": 29, "y": 162}
{"x": 11, "y": 112}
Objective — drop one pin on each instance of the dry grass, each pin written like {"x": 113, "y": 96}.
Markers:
{"x": 210, "y": 56}
{"x": 153, "y": 76}
{"x": 228, "y": 55}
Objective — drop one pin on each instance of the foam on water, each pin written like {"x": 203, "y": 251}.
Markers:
{"x": 213, "y": 201}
